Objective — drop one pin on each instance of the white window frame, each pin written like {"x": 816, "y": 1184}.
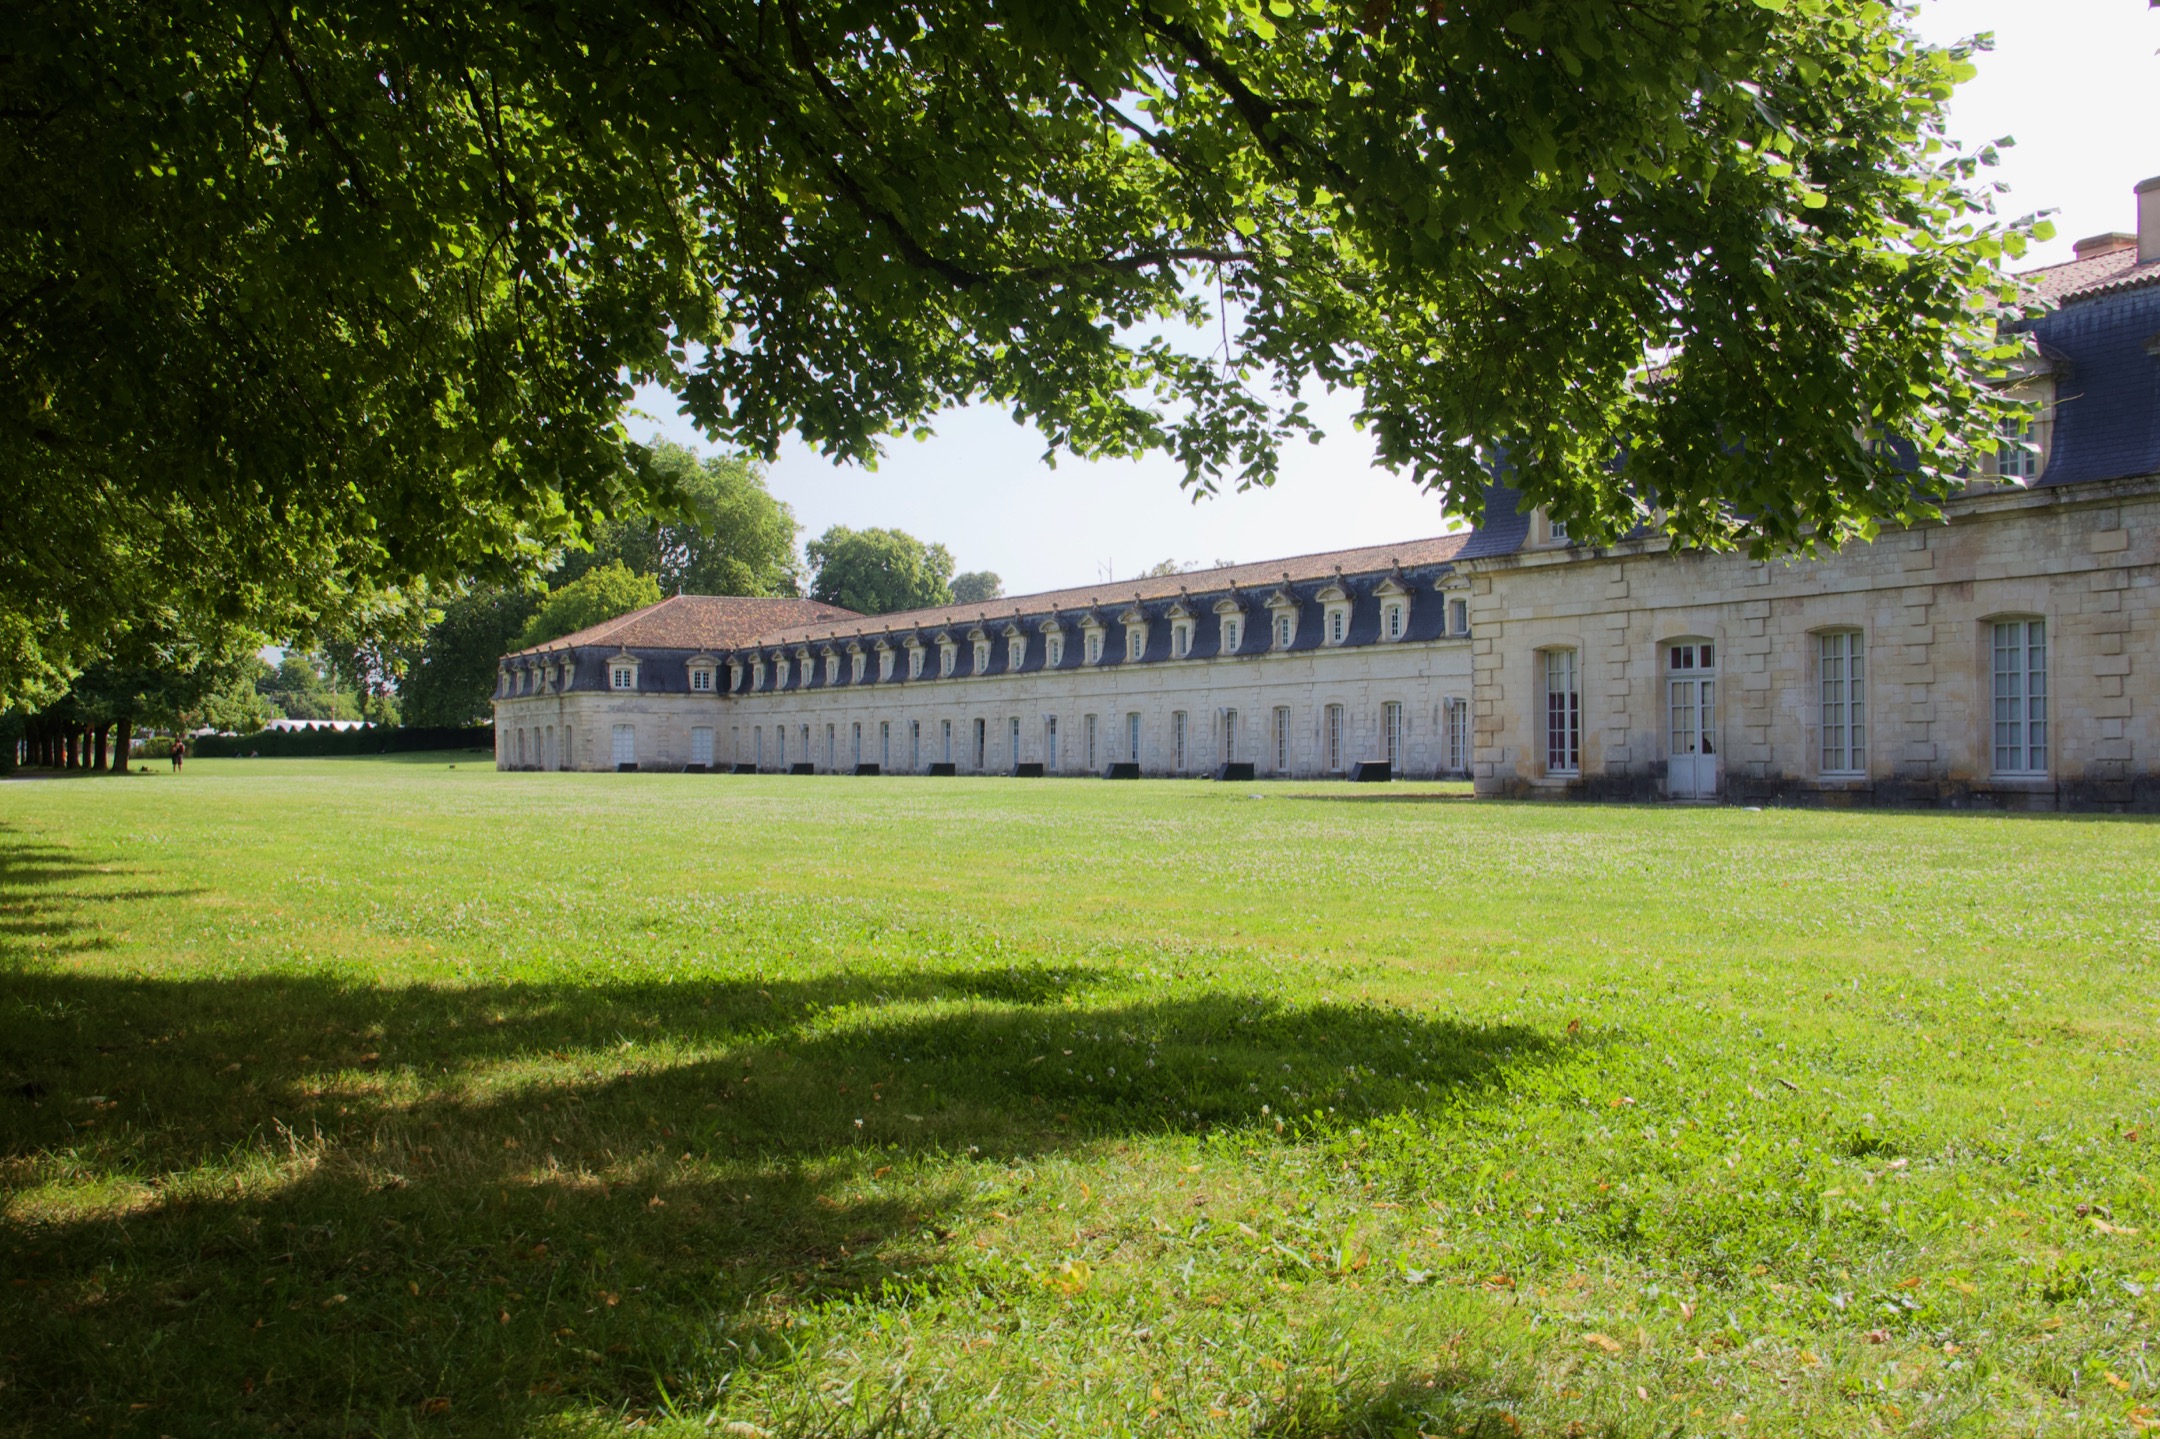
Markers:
{"x": 1094, "y": 646}
{"x": 1012, "y": 740}
{"x": 1178, "y": 747}
{"x": 1282, "y": 739}
{"x": 885, "y": 658}
{"x": 1050, "y": 744}
{"x": 1135, "y": 642}
{"x": 1233, "y": 633}
{"x": 1229, "y": 736}
{"x": 1087, "y": 734}
{"x": 1054, "y": 649}
{"x": 1841, "y": 702}
{"x": 1458, "y": 616}
{"x": 982, "y": 744}
{"x": 1458, "y": 735}
{"x": 948, "y": 659}
{"x": 1337, "y": 620}
{"x": 948, "y": 740}
{"x": 1393, "y": 735}
{"x": 2018, "y": 688}
{"x": 1394, "y": 620}
{"x": 914, "y": 662}
{"x": 623, "y": 745}
{"x": 1015, "y": 652}
{"x": 622, "y": 674}
{"x": 1560, "y": 704}
{"x": 982, "y": 657}
{"x": 1334, "y": 739}
{"x": 701, "y": 679}
{"x": 1180, "y": 639}
{"x": 1132, "y": 736}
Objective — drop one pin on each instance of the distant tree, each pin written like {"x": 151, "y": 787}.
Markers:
{"x": 301, "y": 687}
{"x": 876, "y": 572}
{"x": 450, "y": 677}
{"x": 600, "y": 594}
{"x": 1163, "y": 568}
{"x": 728, "y": 536}
{"x": 975, "y": 586}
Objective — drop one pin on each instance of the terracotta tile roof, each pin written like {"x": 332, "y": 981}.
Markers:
{"x": 2100, "y": 275}
{"x": 1115, "y": 594}
{"x": 698, "y": 622}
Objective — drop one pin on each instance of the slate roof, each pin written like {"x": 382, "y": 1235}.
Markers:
{"x": 1115, "y": 594}
{"x": 698, "y": 622}
{"x": 2100, "y": 275}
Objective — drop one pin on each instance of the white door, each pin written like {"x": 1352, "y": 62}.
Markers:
{"x": 1691, "y": 765}
{"x": 625, "y": 744}
{"x": 701, "y": 746}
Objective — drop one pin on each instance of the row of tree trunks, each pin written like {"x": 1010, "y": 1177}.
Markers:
{"x": 54, "y": 742}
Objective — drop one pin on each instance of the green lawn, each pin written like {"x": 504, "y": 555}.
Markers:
{"x": 352, "y": 1097}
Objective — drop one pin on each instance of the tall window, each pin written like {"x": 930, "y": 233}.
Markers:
{"x": 1229, "y": 736}
{"x": 1012, "y": 740}
{"x": 831, "y": 749}
{"x": 1050, "y": 756}
{"x": 1180, "y": 640}
{"x": 914, "y": 744}
{"x": 700, "y": 744}
{"x": 569, "y": 750}
{"x": 914, "y": 664}
{"x": 982, "y": 656}
{"x": 757, "y": 744}
{"x": 1087, "y": 739}
{"x": 2021, "y": 742}
{"x": 884, "y": 744}
{"x": 1563, "y": 714}
{"x": 982, "y": 744}
{"x": 1133, "y": 641}
{"x": 1233, "y": 634}
{"x": 946, "y": 740}
{"x": 1391, "y": 731}
{"x": 1458, "y": 735}
{"x": 1282, "y": 739}
{"x": 1132, "y": 737}
{"x": 1394, "y": 622}
{"x": 779, "y": 734}
{"x": 1094, "y": 646}
{"x": 1177, "y": 740}
{"x": 1054, "y": 651}
{"x": 856, "y": 752}
{"x": 1844, "y": 702}
{"x": 1458, "y": 616}
{"x": 1335, "y": 621}
{"x": 1285, "y": 627}
{"x": 1016, "y": 652}
{"x": 625, "y": 750}
{"x": 1331, "y": 737}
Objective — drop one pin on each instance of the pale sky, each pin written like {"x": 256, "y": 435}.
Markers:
{"x": 2074, "y": 81}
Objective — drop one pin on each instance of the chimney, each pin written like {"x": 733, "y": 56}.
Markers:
{"x": 2148, "y": 234}
{"x": 2095, "y": 246}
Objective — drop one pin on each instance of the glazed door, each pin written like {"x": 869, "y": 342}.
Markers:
{"x": 1691, "y": 764}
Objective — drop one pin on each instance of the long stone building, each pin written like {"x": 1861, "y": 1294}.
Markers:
{"x": 2005, "y": 657}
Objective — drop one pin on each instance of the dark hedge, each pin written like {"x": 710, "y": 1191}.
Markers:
{"x": 369, "y": 739}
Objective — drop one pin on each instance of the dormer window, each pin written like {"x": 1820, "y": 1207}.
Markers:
{"x": 701, "y": 679}
{"x": 1233, "y": 634}
{"x": 861, "y": 661}
{"x": 1180, "y": 639}
{"x": 1335, "y": 613}
{"x": 948, "y": 658}
{"x": 982, "y": 656}
{"x": 622, "y": 673}
{"x": 1054, "y": 649}
{"x": 914, "y": 661}
{"x": 1338, "y": 623}
{"x": 1458, "y": 617}
{"x": 734, "y": 675}
{"x": 1093, "y": 649}
{"x": 884, "y": 661}
{"x": 1545, "y": 530}
{"x": 780, "y": 672}
{"x": 1135, "y": 641}
{"x": 757, "y": 673}
{"x": 1015, "y": 652}
{"x": 832, "y": 667}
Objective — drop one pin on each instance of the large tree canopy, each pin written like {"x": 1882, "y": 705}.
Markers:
{"x": 304, "y": 300}
{"x": 877, "y": 572}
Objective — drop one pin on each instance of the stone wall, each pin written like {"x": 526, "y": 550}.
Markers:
{"x": 2085, "y": 559}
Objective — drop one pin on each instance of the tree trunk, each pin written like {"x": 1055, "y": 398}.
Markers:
{"x": 98, "y": 737}
{"x": 67, "y": 747}
{"x": 123, "y": 741}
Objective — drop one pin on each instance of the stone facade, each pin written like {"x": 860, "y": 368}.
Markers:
{"x": 2083, "y": 561}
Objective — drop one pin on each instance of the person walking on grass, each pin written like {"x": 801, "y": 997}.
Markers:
{"x": 179, "y": 753}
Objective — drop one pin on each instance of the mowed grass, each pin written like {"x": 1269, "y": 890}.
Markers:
{"x": 348, "y": 1097}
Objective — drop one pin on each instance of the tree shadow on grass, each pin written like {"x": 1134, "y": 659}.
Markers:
{"x": 290, "y": 1204}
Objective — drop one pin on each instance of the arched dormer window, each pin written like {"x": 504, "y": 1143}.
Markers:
{"x": 1335, "y": 604}
{"x": 858, "y": 662}
{"x": 1282, "y": 609}
{"x": 981, "y": 641}
{"x": 1394, "y": 598}
{"x": 948, "y": 654}
{"x": 623, "y": 672}
{"x": 885, "y": 657}
{"x": 914, "y": 658}
{"x": 1135, "y": 624}
{"x": 1230, "y": 615}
